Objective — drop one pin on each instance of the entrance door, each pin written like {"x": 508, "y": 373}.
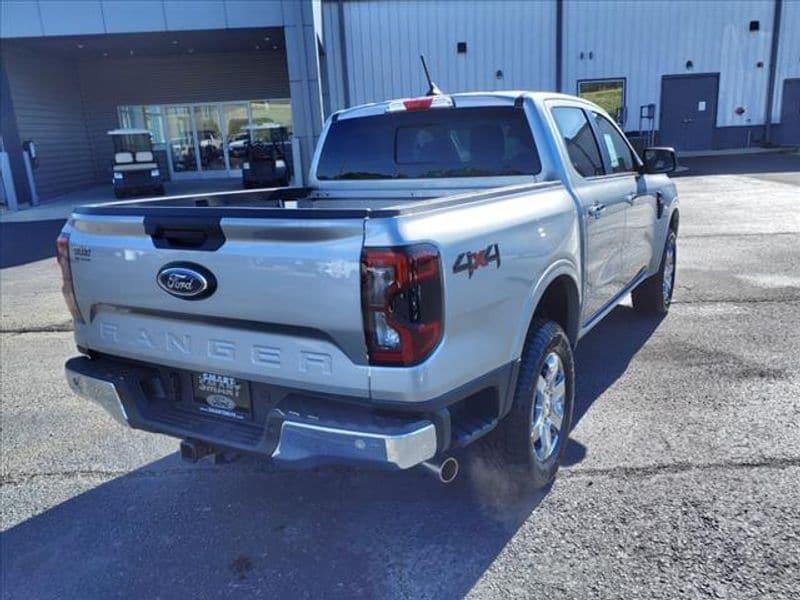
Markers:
{"x": 209, "y": 139}
{"x": 236, "y": 118}
{"x": 688, "y": 111}
{"x": 790, "y": 112}
{"x": 180, "y": 141}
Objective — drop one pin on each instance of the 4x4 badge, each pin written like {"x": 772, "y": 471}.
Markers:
{"x": 472, "y": 261}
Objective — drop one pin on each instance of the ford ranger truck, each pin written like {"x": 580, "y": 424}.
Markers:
{"x": 424, "y": 292}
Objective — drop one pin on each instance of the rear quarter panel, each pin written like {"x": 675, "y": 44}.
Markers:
{"x": 486, "y": 314}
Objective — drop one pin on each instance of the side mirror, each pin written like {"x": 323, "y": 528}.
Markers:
{"x": 660, "y": 160}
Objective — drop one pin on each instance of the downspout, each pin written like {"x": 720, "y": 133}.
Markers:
{"x": 559, "y": 45}
{"x": 773, "y": 60}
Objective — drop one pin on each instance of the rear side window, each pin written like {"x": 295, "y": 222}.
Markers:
{"x": 574, "y": 128}
{"x": 448, "y": 142}
{"x": 616, "y": 152}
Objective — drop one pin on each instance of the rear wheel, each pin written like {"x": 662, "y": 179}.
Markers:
{"x": 529, "y": 442}
{"x": 654, "y": 294}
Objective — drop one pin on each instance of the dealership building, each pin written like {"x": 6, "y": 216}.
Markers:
{"x": 701, "y": 75}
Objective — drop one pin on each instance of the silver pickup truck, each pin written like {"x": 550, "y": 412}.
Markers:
{"x": 424, "y": 292}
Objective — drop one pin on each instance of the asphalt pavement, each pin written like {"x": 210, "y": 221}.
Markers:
{"x": 682, "y": 477}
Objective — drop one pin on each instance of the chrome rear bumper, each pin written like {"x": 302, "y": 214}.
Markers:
{"x": 400, "y": 447}
{"x": 100, "y": 392}
{"x": 301, "y": 441}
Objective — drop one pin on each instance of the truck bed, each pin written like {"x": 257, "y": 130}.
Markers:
{"x": 303, "y": 202}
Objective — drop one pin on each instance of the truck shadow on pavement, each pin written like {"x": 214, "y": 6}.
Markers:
{"x": 21, "y": 243}
{"x": 247, "y": 530}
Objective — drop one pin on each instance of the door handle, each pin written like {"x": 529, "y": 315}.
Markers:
{"x": 596, "y": 209}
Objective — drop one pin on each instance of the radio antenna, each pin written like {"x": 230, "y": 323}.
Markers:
{"x": 433, "y": 89}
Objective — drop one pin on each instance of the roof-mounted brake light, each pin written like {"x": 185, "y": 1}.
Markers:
{"x": 423, "y": 103}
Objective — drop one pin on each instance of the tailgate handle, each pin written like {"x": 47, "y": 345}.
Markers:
{"x": 185, "y": 233}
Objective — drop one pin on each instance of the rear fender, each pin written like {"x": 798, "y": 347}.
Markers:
{"x": 555, "y": 270}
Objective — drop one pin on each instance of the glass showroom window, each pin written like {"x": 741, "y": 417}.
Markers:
{"x": 272, "y": 111}
{"x": 609, "y": 94}
{"x": 143, "y": 117}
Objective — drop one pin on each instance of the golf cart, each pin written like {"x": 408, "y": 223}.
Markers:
{"x": 265, "y": 163}
{"x": 135, "y": 166}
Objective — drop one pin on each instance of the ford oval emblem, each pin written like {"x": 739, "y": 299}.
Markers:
{"x": 220, "y": 401}
{"x": 186, "y": 280}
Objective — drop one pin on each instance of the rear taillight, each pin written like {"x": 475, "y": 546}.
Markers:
{"x": 401, "y": 297}
{"x": 62, "y": 255}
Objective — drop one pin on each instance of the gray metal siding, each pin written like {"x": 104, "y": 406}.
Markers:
{"x": 47, "y": 102}
{"x": 640, "y": 41}
{"x": 109, "y": 83}
{"x": 33, "y": 18}
{"x": 643, "y": 41}
{"x": 384, "y": 41}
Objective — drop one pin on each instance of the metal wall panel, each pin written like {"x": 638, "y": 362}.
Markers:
{"x": 644, "y": 40}
{"x": 133, "y": 16}
{"x": 49, "y": 111}
{"x": 68, "y": 17}
{"x": 384, "y": 41}
{"x": 34, "y": 18}
{"x": 19, "y": 18}
{"x": 640, "y": 41}
{"x": 788, "y": 66}
{"x": 194, "y": 14}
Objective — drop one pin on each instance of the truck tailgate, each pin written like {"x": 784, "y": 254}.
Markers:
{"x": 286, "y": 308}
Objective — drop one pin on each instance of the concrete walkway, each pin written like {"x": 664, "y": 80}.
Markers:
{"x": 61, "y": 206}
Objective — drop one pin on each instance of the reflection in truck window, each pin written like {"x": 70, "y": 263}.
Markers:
{"x": 453, "y": 142}
{"x": 579, "y": 140}
{"x": 615, "y": 149}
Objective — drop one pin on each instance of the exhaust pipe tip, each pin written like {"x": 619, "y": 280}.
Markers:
{"x": 445, "y": 470}
{"x": 192, "y": 450}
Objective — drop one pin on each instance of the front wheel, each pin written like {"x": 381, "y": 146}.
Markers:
{"x": 654, "y": 294}
{"x": 529, "y": 442}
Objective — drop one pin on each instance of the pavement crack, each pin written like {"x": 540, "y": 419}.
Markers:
{"x": 25, "y": 477}
{"x": 566, "y": 473}
{"x": 786, "y": 300}
{"x": 684, "y": 236}
{"x": 680, "y": 467}
{"x": 57, "y": 328}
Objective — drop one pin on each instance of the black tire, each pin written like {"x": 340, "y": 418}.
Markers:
{"x": 650, "y": 297}
{"x": 509, "y": 448}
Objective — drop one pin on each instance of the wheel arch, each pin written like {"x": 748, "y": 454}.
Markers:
{"x": 674, "y": 220}
{"x": 556, "y": 297}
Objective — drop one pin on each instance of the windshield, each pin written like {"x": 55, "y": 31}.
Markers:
{"x": 131, "y": 142}
{"x": 460, "y": 142}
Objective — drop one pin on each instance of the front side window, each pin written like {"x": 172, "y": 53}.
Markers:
{"x": 615, "y": 151}
{"x": 449, "y": 142}
{"x": 575, "y": 131}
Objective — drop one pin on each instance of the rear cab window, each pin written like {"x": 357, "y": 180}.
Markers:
{"x": 436, "y": 143}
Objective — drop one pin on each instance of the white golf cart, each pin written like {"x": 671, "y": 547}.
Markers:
{"x": 135, "y": 168}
